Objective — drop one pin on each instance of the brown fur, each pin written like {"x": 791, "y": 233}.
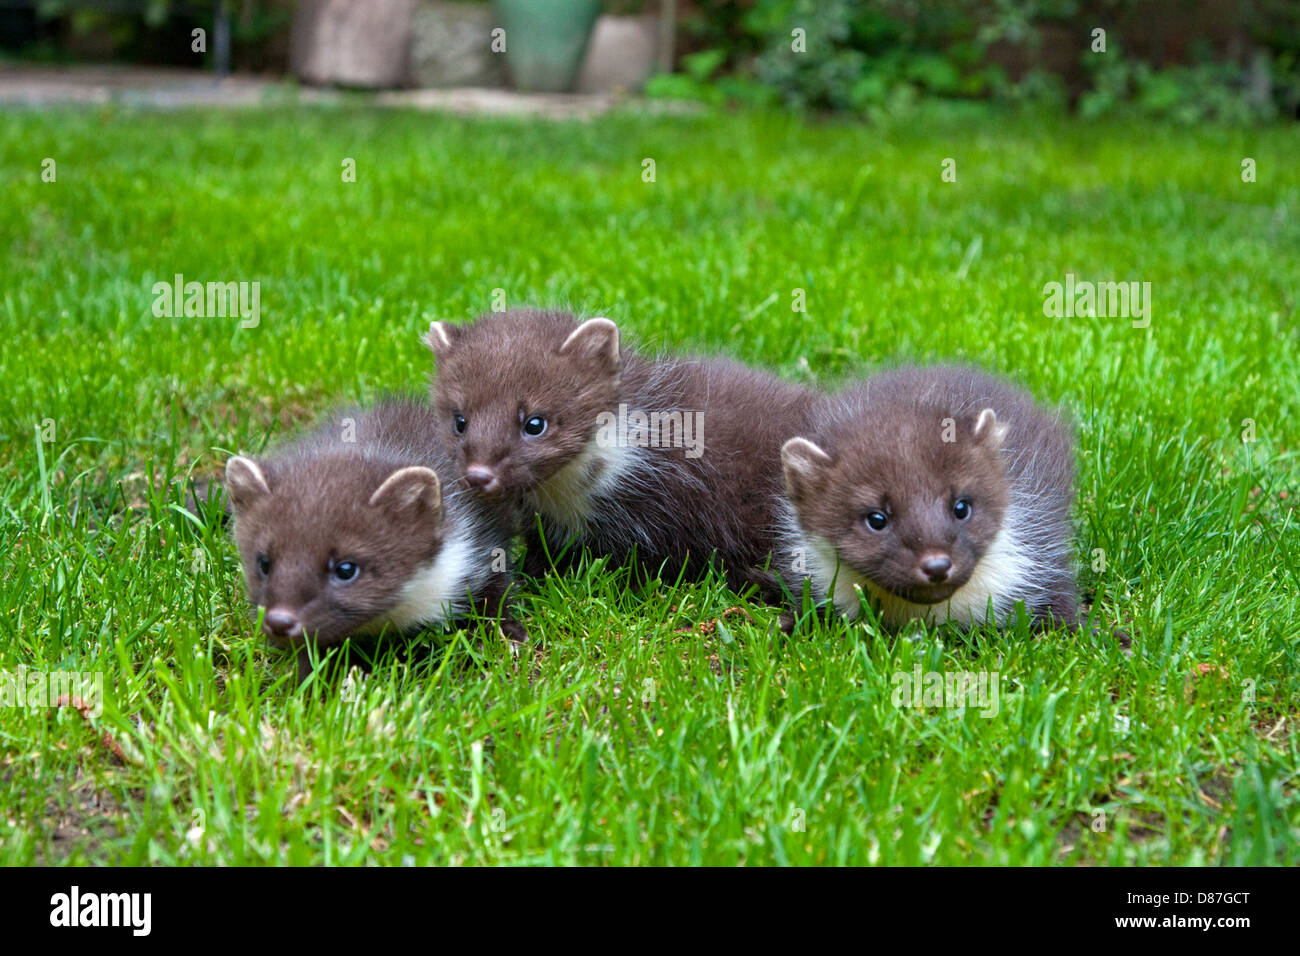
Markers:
{"x": 885, "y": 452}
{"x": 505, "y": 367}
{"x": 675, "y": 511}
{"x": 322, "y": 503}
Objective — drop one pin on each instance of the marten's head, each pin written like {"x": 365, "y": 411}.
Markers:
{"x": 519, "y": 393}
{"x": 329, "y": 540}
{"x": 909, "y": 497}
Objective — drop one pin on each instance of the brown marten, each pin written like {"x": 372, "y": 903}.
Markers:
{"x": 350, "y": 529}
{"x": 942, "y": 493}
{"x": 675, "y": 459}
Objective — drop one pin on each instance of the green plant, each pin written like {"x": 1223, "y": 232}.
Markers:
{"x": 1184, "y": 94}
{"x": 161, "y": 30}
{"x": 882, "y": 56}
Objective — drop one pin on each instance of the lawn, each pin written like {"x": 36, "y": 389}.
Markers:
{"x": 644, "y": 725}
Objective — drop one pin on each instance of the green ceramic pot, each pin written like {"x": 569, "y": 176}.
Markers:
{"x": 545, "y": 40}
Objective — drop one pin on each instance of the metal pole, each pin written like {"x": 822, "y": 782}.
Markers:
{"x": 221, "y": 39}
{"x": 667, "y": 34}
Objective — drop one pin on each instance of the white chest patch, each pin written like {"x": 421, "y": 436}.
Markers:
{"x": 570, "y": 497}
{"x": 436, "y": 592}
{"x": 1003, "y": 576}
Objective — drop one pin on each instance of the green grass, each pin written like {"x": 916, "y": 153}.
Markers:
{"x": 630, "y": 736}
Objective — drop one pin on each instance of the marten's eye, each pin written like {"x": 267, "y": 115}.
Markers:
{"x": 535, "y": 426}
{"x": 962, "y": 509}
{"x": 344, "y": 570}
{"x": 458, "y": 422}
{"x": 264, "y": 564}
{"x": 876, "y": 520}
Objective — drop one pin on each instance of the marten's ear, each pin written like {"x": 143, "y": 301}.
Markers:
{"x": 596, "y": 339}
{"x": 407, "y": 488}
{"x": 804, "y": 463}
{"x": 988, "y": 428}
{"x": 245, "y": 482}
{"x": 440, "y": 336}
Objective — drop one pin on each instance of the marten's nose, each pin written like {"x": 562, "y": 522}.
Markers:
{"x": 483, "y": 478}
{"x": 278, "y": 622}
{"x": 936, "y": 567}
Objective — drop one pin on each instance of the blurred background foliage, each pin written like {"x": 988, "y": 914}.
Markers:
{"x": 1186, "y": 60}
{"x": 1189, "y": 60}
{"x": 151, "y": 32}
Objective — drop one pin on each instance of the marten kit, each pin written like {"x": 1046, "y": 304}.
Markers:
{"x": 935, "y": 494}
{"x": 362, "y": 526}
{"x": 939, "y": 494}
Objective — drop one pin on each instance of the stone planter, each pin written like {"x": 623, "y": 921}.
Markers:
{"x": 621, "y": 54}
{"x": 363, "y": 43}
{"x": 451, "y": 45}
{"x": 545, "y": 40}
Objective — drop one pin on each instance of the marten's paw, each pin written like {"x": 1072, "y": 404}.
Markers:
{"x": 514, "y": 631}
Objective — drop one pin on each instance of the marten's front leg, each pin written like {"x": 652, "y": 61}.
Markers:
{"x": 494, "y": 604}
{"x": 542, "y": 557}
